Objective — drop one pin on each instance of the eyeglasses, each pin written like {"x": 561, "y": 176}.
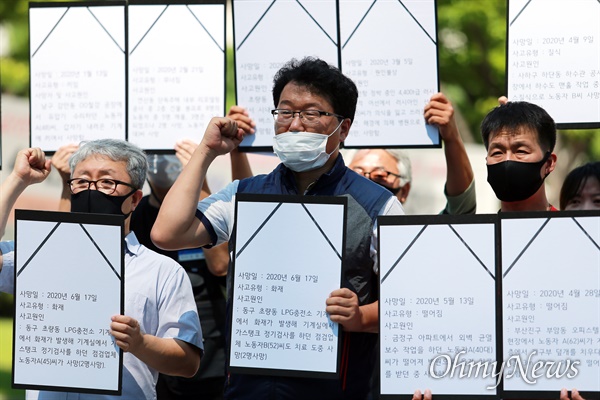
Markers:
{"x": 375, "y": 173}
{"x": 308, "y": 117}
{"x": 107, "y": 186}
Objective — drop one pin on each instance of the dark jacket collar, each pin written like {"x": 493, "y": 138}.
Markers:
{"x": 330, "y": 177}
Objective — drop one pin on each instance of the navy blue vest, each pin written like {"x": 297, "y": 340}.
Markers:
{"x": 365, "y": 200}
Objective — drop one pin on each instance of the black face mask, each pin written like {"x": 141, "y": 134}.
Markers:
{"x": 96, "y": 202}
{"x": 393, "y": 190}
{"x": 516, "y": 180}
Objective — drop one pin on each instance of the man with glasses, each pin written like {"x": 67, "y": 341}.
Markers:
{"x": 389, "y": 168}
{"x": 160, "y": 331}
{"x": 392, "y": 170}
{"x": 314, "y": 108}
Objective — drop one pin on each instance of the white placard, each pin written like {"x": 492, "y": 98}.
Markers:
{"x": 176, "y": 71}
{"x": 553, "y": 58}
{"x": 551, "y": 302}
{"x": 77, "y": 62}
{"x": 279, "y": 323}
{"x": 267, "y": 34}
{"x": 68, "y": 285}
{"x": 437, "y": 305}
{"x": 395, "y": 78}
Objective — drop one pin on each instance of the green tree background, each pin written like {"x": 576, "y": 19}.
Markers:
{"x": 14, "y": 39}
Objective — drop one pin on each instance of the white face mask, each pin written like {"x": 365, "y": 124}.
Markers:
{"x": 303, "y": 151}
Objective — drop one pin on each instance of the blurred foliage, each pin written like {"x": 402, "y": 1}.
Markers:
{"x": 472, "y": 50}
{"x": 14, "y": 70}
{"x": 6, "y": 305}
{"x": 472, "y": 39}
{"x": 14, "y": 75}
{"x": 583, "y": 145}
{"x": 230, "y": 92}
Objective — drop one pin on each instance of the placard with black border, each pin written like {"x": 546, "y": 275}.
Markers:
{"x": 266, "y": 35}
{"x": 553, "y": 59}
{"x": 395, "y": 79}
{"x": 287, "y": 259}
{"x": 388, "y": 114}
{"x": 77, "y": 72}
{"x": 69, "y": 282}
{"x": 146, "y": 71}
{"x": 550, "y": 289}
{"x": 176, "y": 76}
{"x": 437, "y": 305}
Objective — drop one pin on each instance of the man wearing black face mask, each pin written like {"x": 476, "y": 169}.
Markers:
{"x": 520, "y": 139}
{"x": 160, "y": 331}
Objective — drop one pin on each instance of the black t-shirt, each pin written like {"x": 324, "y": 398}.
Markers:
{"x": 209, "y": 290}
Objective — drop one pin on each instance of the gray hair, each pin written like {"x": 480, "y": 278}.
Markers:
{"x": 115, "y": 150}
{"x": 403, "y": 165}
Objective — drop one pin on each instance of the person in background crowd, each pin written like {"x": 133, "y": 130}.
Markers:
{"x": 392, "y": 170}
{"x": 581, "y": 188}
{"x": 206, "y": 268}
{"x": 208, "y": 289}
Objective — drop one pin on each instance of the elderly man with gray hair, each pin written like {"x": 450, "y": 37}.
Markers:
{"x": 160, "y": 331}
{"x": 389, "y": 168}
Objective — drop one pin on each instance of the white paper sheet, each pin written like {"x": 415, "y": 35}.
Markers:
{"x": 77, "y": 64}
{"x": 551, "y": 302}
{"x": 281, "y": 283}
{"x": 267, "y": 34}
{"x": 437, "y": 306}
{"x": 554, "y": 58}
{"x": 176, "y": 72}
{"x": 389, "y": 49}
{"x": 68, "y": 286}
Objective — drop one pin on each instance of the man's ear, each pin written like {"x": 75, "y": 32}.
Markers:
{"x": 403, "y": 193}
{"x": 136, "y": 198}
{"x": 345, "y": 129}
{"x": 550, "y": 164}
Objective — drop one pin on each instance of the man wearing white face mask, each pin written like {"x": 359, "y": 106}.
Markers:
{"x": 302, "y": 151}
{"x": 315, "y": 105}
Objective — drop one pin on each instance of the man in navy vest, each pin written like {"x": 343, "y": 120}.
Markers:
{"x": 314, "y": 109}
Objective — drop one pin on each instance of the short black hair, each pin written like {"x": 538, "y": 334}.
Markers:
{"x": 573, "y": 183}
{"x": 515, "y": 115}
{"x": 322, "y": 79}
